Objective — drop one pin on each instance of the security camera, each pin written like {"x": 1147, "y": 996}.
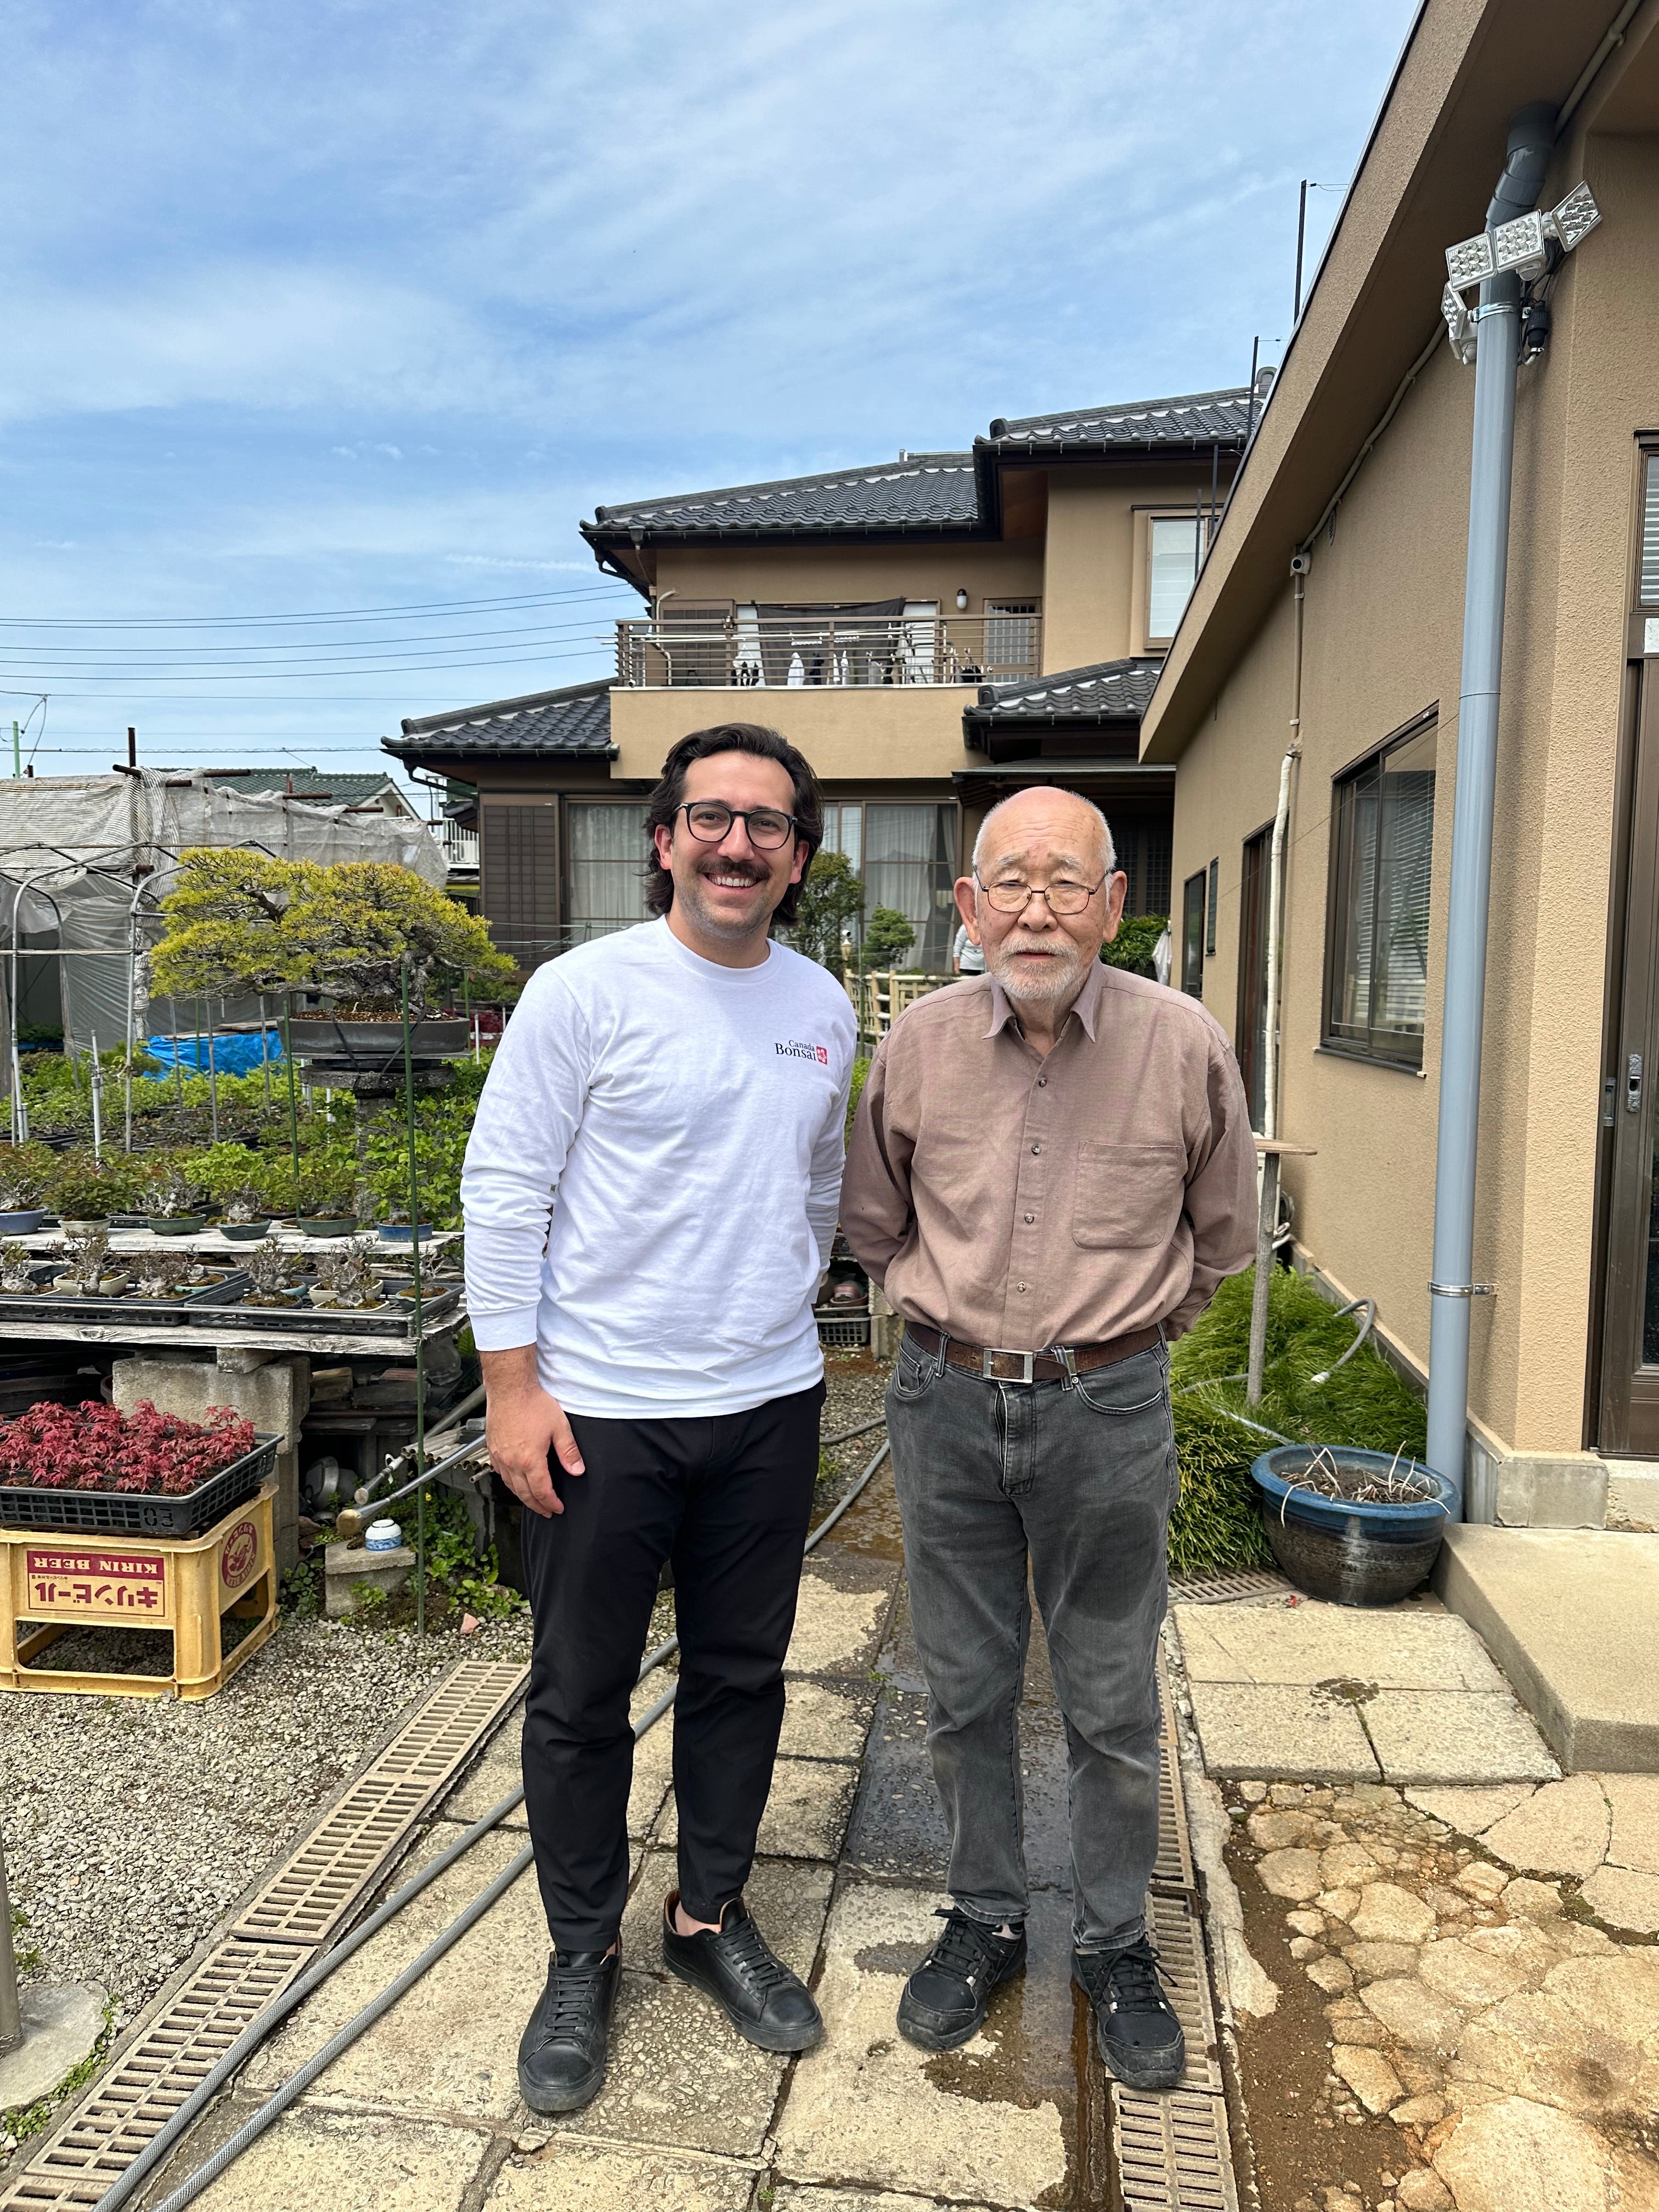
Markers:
{"x": 1300, "y": 563}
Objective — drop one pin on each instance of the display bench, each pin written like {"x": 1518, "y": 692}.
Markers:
{"x": 52, "y": 1584}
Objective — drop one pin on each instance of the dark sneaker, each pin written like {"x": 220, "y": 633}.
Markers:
{"x": 561, "y": 2053}
{"x": 1140, "y": 2039}
{"x": 734, "y": 1965}
{"x": 945, "y": 1999}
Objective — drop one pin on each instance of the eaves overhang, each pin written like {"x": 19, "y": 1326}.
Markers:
{"x": 1424, "y": 179}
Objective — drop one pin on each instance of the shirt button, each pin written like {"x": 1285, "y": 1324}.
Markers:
{"x": 1042, "y": 1083}
{"x": 1036, "y": 1148}
{"x": 1020, "y": 1286}
{"x": 1031, "y": 1217}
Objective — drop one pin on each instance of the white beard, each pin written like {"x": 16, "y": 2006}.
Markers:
{"x": 1061, "y": 972}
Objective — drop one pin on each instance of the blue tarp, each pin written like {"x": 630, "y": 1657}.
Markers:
{"x": 232, "y": 1056}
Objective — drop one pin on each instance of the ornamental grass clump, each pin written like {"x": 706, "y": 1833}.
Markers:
{"x": 93, "y": 1446}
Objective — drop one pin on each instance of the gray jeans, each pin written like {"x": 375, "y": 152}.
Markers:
{"x": 1078, "y": 1478}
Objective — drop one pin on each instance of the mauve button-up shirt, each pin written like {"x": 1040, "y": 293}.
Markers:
{"x": 1020, "y": 1202}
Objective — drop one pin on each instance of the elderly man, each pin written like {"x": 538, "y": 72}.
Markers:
{"x": 1051, "y": 1171}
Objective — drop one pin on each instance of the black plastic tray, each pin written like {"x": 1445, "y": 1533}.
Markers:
{"x": 54, "y": 1305}
{"x": 134, "y": 1513}
{"x": 394, "y": 1318}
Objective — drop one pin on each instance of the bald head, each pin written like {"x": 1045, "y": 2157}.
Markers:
{"x": 1060, "y": 824}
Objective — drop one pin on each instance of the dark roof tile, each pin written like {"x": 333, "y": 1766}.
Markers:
{"x": 930, "y": 490}
{"x": 1106, "y": 690}
{"x": 1190, "y": 418}
{"x": 573, "y": 720}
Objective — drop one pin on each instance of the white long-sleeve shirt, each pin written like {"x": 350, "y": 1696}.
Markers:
{"x": 651, "y": 1181}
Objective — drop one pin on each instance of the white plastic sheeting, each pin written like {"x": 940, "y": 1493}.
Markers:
{"x": 83, "y": 844}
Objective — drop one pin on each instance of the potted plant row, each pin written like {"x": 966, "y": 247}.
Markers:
{"x": 93, "y": 1467}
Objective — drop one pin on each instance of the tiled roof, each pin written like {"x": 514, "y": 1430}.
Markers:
{"x": 1106, "y": 690}
{"x": 573, "y": 720}
{"x": 1191, "y": 418}
{"x": 348, "y": 789}
{"x": 926, "y": 490}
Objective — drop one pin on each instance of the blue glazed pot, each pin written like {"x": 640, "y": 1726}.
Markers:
{"x": 1340, "y": 1549}
{"x": 403, "y": 1232}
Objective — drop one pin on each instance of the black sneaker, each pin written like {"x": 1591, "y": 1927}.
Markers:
{"x": 1140, "y": 2037}
{"x": 561, "y": 2054}
{"x": 945, "y": 1999}
{"x": 734, "y": 1965}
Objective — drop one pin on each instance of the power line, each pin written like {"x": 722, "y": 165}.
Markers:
{"x": 290, "y": 675}
{"x": 598, "y": 588}
{"x": 436, "y": 641}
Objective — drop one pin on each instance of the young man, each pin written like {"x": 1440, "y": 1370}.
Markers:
{"x": 1051, "y": 1171}
{"x": 650, "y": 1195}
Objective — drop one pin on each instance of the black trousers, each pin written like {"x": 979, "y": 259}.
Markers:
{"x": 727, "y": 1499}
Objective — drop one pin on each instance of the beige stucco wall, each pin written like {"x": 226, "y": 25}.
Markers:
{"x": 812, "y": 575}
{"x": 1384, "y": 639}
{"x": 857, "y": 735}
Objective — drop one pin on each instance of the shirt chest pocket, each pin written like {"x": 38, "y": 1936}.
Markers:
{"x": 1128, "y": 1196}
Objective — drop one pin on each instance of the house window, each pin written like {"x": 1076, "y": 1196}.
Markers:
{"x": 606, "y": 859}
{"x": 1250, "y": 1027}
{"x": 519, "y": 877}
{"x": 1649, "y": 594}
{"x": 1209, "y": 911}
{"x": 1378, "y": 917}
{"x": 1011, "y": 636}
{"x": 1145, "y": 857}
{"x": 1173, "y": 551}
{"x": 907, "y": 857}
{"x": 1192, "y": 935}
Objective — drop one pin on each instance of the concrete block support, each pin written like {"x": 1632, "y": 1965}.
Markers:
{"x": 274, "y": 1397}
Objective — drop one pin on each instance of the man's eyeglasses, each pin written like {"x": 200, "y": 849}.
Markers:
{"x": 710, "y": 820}
{"x": 1009, "y": 896}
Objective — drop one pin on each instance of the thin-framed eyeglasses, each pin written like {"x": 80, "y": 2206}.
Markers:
{"x": 709, "y": 820}
{"x": 1010, "y": 895}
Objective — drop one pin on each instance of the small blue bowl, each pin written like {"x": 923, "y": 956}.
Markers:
{"x": 1338, "y": 1548}
{"x": 404, "y": 1232}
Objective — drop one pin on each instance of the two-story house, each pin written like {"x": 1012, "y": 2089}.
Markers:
{"x": 931, "y": 631}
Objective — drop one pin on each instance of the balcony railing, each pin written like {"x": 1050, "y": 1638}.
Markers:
{"x": 764, "y": 652}
{"x": 461, "y": 845}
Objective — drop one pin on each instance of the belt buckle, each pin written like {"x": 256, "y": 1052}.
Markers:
{"x": 989, "y": 1375}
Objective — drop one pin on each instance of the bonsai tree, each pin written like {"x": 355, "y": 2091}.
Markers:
{"x": 25, "y": 1172}
{"x": 325, "y": 1190}
{"x": 831, "y": 896}
{"x": 16, "y": 1262}
{"x": 169, "y": 1192}
{"x": 245, "y": 923}
{"x": 84, "y": 1191}
{"x": 888, "y": 935}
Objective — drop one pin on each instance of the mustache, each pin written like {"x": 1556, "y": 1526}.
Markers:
{"x": 1046, "y": 945}
{"x": 747, "y": 869}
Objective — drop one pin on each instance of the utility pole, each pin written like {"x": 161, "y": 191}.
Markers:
{"x": 132, "y": 746}
{"x": 1301, "y": 239}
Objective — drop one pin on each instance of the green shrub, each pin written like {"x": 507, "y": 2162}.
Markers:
{"x": 888, "y": 934}
{"x": 1135, "y": 943}
{"x": 860, "y": 1076}
{"x": 83, "y": 1191}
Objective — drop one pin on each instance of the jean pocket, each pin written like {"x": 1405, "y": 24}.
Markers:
{"x": 914, "y": 1372}
{"x": 1128, "y": 1386}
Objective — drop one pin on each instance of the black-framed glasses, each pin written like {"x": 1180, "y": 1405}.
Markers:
{"x": 1009, "y": 896}
{"x": 709, "y": 820}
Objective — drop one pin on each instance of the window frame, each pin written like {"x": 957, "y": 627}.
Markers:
{"x": 1194, "y": 906}
{"x": 1400, "y": 1048}
{"x": 1149, "y": 640}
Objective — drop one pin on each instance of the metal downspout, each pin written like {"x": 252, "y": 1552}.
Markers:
{"x": 1497, "y": 355}
{"x": 1276, "y": 881}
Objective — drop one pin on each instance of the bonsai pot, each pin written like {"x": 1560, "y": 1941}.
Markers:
{"x": 1341, "y": 1548}
{"x": 319, "y": 1297}
{"x": 375, "y": 1044}
{"x": 329, "y": 1224}
{"x": 22, "y": 1222}
{"x": 178, "y": 1225}
{"x": 80, "y": 1227}
{"x": 245, "y": 1232}
{"x": 404, "y": 1232}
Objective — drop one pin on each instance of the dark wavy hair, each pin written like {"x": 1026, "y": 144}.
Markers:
{"x": 665, "y": 800}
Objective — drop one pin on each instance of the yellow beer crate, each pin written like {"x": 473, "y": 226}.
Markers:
{"x": 187, "y": 1585}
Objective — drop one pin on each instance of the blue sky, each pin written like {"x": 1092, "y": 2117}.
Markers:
{"x": 326, "y": 309}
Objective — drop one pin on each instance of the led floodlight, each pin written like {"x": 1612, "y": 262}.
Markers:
{"x": 1459, "y": 329}
{"x": 1520, "y": 246}
{"x": 1469, "y": 263}
{"x": 1576, "y": 217}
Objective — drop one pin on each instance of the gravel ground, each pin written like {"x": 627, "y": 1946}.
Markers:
{"x": 133, "y": 1825}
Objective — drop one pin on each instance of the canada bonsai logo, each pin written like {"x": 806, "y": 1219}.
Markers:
{"x": 242, "y": 1549}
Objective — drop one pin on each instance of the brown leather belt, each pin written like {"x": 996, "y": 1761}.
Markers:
{"x": 992, "y": 1366}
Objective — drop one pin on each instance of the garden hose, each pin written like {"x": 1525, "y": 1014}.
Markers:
{"x": 258, "y": 2031}
{"x": 1365, "y": 1327}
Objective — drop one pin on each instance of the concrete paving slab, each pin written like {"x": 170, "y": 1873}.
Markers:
{"x": 1454, "y": 1735}
{"x": 589, "y": 2177}
{"x": 1572, "y": 1615}
{"x": 1623, "y": 1898}
{"x": 837, "y": 1628}
{"x": 1279, "y": 1732}
{"x": 451, "y": 2045}
{"x": 866, "y": 2110}
{"x": 790, "y": 2199}
{"x": 806, "y": 1816}
{"x": 898, "y": 1824}
{"x": 1561, "y": 1829}
{"x": 369, "y": 2163}
{"x": 61, "y": 2023}
{"x": 1470, "y": 1812}
{"x": 826, "y": 1720}
{"x": 788, "y": 1901}
{"x": 1409, "y": 1646}
{"x": 1633, "y": 1800}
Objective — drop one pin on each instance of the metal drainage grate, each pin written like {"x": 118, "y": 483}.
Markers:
{"x": 192, "y": 2031}
{"x": 1172, "y": 2153}
{"x": 306, "y": 1899}
{"x": 1174, "y": 1928}
{"x": 1221, "y": 1590}
{"x": 1173, "y": 1868}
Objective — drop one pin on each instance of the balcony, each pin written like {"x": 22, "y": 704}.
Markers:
{"x": 797, "y": 648}
{"x": 461, "y": 845}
